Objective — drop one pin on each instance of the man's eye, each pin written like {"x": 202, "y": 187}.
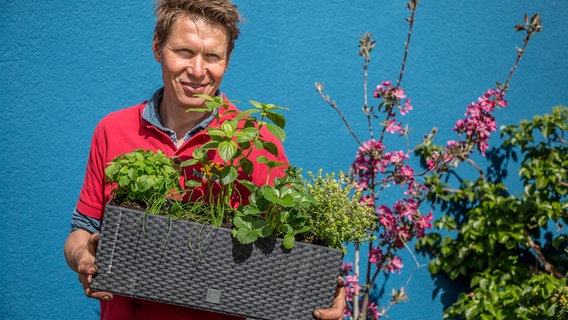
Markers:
{"x": 213, "y": 56}
{"x": 184, "y": 51}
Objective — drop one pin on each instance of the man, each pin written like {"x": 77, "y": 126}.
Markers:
{"x": 193, "y": 41}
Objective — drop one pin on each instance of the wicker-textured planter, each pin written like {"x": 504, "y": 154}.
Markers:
{"x": 179, "y": 262}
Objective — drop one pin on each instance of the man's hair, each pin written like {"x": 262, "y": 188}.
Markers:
{"x": 221, "y": 13}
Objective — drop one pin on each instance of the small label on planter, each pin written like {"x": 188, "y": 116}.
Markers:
{"x": 213, "y": 296}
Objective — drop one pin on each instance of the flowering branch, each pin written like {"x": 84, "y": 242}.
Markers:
{"x": 412, "y": 7}
{"x": 531, "y": 28}
{"x": 319, "y": 88}
{"x": 375, "y": 169}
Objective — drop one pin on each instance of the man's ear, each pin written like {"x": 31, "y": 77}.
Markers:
{"x": 157, "y": 49}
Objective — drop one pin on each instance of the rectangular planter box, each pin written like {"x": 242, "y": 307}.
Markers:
{"x": 184, "y": 263}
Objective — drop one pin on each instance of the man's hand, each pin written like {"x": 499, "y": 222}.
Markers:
{"x": 83, "y": 257}
{"x": 335, "y": 312}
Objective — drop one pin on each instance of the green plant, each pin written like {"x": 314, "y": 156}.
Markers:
{"x": 338, "y": 216}
{"x": 144, "y": 177}
{"x": 275, "y": 210}
{"x": 510, "y": 247}
{"x": 235, "y": 141}
{"x": 286, "y": 208}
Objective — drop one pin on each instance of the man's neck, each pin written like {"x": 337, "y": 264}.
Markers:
{"x": 179, "y": 120}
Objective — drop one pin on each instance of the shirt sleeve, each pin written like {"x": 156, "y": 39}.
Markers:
{"x": 81, "y": 221}
{"x": 92, "y": 197}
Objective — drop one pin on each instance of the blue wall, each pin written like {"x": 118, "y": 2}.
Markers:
{"x": 65, "y": 64}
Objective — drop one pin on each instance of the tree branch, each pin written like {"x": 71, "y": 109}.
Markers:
{"x": 549, "y": 267}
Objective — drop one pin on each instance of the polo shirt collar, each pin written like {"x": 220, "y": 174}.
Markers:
{"x": 151, "y": 114}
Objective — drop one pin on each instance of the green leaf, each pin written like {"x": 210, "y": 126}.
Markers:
{"x": 541, "y": 182}
{"x": 276, "y": 131}
{"x": 262, "y": 159}
{"x": 215, "y": 132}
{"x": 270, "y": 147}
{"x": 270, "y": 163}
{"x": 247, "y": 134}
{"x": 189, "y": 162}
{"x": 248, "y": 229}
{"x": 145, "y": 182}
{"x": 277, "y": 118}
{"x": 247, "y": 166}
{"x": 111, "y": 170}
{"x": 288, "y": 241}
{"x": 257, "y": 104}
{"x": 123, "y": 181}
{"x": 197, "y": 154}
{"x": 303, "y": 229}
{"x": 244, "y": 231}
{"x": 269, "y": 193}
{"x": 227, "y": 149}
{"x": 192, "y": 183}
{"x": 229, "y": 127}
{"x": 228, "y": 175}
{"x": 248, "y": 184}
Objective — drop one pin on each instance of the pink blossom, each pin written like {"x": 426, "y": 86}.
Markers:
{"x": 346, "y": 267}
{"x": 386, "y": 218}
{"x": 398, "y": 93}
{"x": 368, "y": 200}
{"x": 392, "y": 96}
{"x": 415, "y": 189}
{"x": 376, "y": 256}
{"x": 347, "y": 312}
{"x": 404, "y": 175}
{"x": 436, "y": 159}
{"x": 479, "y": 122}
{"x": 406, "y": 108}
{"x": 393, "y": 127}
{"x": 407, "y": 208}
{"x": 395, "y": 157}
{"x": 373, "y": 311}
{"x": 352, "y": 287}
{"x": 423, "y": 223}
{"x": 395, "y": 264}
{"x": 368, "y": 162}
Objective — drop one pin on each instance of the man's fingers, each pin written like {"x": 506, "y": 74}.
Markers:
{"x": 335, "y": 312}
{"x": 87, "y": 268}
{"x": 339, "y": 289}
{"x": 86, "y": 264}
{"x": 86, "y": 283}
{"x": 93, "y": 243}
{"x": 100, "y": 295}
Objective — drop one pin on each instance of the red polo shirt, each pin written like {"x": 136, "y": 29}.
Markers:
{"x": 123, "y": 131}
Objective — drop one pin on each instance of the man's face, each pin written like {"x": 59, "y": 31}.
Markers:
{"x": 194, "y": 60}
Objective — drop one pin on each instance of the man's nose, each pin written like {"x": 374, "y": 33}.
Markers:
{"x": 196, "y": 67}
